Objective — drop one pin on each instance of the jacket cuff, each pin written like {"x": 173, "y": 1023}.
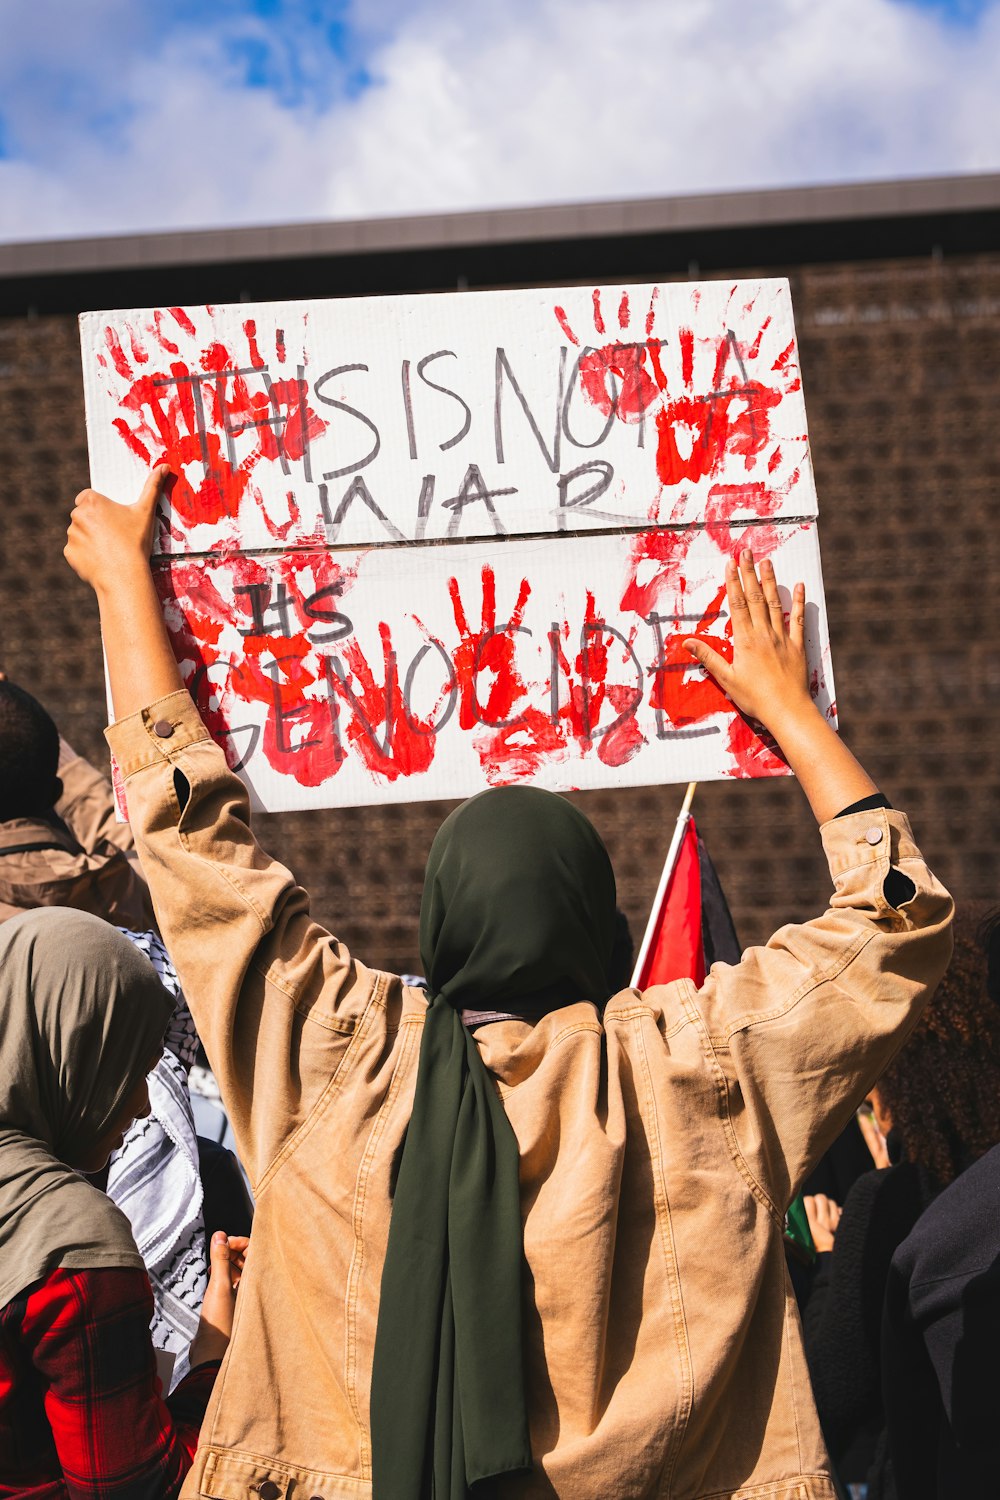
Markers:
{"x": 863, "y": 847}
{"x": 156, "y": 734}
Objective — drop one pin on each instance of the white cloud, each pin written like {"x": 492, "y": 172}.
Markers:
{"x": 556, "y": 100}
{"x": 586, "y": 101}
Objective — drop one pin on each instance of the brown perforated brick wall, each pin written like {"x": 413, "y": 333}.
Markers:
{"x": 901, "y": 366}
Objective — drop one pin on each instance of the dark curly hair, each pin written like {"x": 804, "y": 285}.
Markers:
{"x": 942, "y": 1089}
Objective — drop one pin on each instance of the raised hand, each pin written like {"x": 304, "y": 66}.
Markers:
{"x": 238, "y": 1246}
{"x": 824, "y": 1216}
{"x": 216, "y": 1325}
{"x": 108, "y": 547}
{"x": 767, "y": 680}
{"x": 105, "y": 538}
{"x": 767, "y": 677}
{"x": 874, "y": 1139}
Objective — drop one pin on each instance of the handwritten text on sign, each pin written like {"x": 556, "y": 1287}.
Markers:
{"x": 423, "y": 545}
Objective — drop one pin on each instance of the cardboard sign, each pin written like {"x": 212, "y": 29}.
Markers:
{"x": 423, "y": 545}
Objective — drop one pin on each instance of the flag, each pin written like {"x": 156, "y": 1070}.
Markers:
{"x": 693, "y": 928}
{"x": 677, "y": 950}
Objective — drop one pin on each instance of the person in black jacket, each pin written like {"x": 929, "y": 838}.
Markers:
{"x": 940, "y": 1344}
{"x": 938, "y": 1105}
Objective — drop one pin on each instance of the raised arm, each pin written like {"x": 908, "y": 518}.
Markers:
{"x": 275, "y": 998}
{"x": 108, "y": 547}
{"x": 802, "y": 1027}
{"x": 768, "y": 681}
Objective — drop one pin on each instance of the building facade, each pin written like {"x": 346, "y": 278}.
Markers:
{"x": 896, "y": 290}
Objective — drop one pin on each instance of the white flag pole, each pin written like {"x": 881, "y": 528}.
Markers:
{"x": 683, "y": 818}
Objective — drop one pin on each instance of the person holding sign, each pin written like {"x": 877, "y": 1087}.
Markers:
{"x": 489, "y": 1216}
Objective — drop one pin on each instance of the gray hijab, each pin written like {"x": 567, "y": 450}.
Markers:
{"x": 81, "y": 1013}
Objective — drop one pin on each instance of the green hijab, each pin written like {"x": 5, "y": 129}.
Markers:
{"x": 81, "y": 1014}
{"x": 517, "y": 915}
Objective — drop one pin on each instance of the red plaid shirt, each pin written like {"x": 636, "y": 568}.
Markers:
{"x": 81, "y": 1414}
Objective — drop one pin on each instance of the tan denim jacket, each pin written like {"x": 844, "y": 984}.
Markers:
{"x": 658, "y": 1152}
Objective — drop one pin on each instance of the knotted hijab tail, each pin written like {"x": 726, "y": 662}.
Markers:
{"x": 448, "y": 1401}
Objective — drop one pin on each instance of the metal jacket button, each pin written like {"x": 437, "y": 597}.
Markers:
{"x": 267, "y": 1490}
{"x": 873, "y": 835}
{"x": 165, "y": 729}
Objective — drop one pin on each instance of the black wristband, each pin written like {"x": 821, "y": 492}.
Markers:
{"x": 867, "y": 804}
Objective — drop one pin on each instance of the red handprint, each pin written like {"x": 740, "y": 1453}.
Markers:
{"x": 623, "y": 375}
{"x": 686, "y": 695}
{"x": 389, "y": 738}
{"x": 212, "y": 418}
{"x": 272, "y": 608}
{"x": 510, "y": 745}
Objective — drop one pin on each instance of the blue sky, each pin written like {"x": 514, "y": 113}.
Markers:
{"x": 964, "y": 12}
{"x": 122, "y": 115}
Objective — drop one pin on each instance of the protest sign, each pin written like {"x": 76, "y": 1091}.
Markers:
{"x": 423, "y": 545}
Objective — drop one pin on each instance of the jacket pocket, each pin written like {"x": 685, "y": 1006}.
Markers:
{"x": 249, "y": 1476}
{"x": 802, "y": 1487}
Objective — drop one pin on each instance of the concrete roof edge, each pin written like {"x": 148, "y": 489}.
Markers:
{"x": 704, "y": 211}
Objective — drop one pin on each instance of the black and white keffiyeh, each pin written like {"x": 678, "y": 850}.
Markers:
{"x": 155, "y": 1180}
